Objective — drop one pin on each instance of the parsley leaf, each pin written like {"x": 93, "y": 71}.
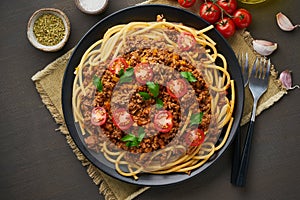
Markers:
{"x": 196, "y": 119}
{"x": 141, "y": 133}
{"x": 154, "y": 88}
{"x": 97, "y": 82}
{"x": 125, "y": 79}
{"x": 159, "y": 103}
{"x": 188, "y": 76}
{"x": 130, "y": 140}
{"x": 133, "y": 141}
{"x": 126, "y": 76}
{"x": 129, "y": 137}
{"x": 145, "y": 95}
{"x": 121, "y": 72}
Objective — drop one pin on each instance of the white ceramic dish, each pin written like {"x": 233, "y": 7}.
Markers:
{"x": 92, "y": 7}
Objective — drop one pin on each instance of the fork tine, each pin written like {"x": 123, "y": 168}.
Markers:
{"x": 260, "y": 70}
{"x": 268, "y": 70}
{"x": 244, "y": 64}
{"x": 246, "y": 69}
{"x": 254, "y": 72}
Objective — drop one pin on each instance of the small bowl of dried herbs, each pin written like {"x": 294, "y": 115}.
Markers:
{"x": 48, "y": 29}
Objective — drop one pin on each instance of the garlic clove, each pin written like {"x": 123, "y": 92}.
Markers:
{"x": 264, "y": 47}
{"x": 285, "y": 78}
{"x": 285, "y": 23}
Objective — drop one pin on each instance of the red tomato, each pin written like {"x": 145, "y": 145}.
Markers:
{"x": 122, "y": 119}
{"x": 186, "y": 3}
{"x": 143, "y": 73}
{"x": 163, "y": 121}
{"x": 210, "y": 12}
{"x": 99, "y": 116}
{"x": 186, "y": 41}
{"x": 228, "y": 5}
{"x": 226, "y": 27}
{"x": 117, "y": 64}
{"x": 242, "y": 18}
{"x": 195, "y": 137}
{"x": 177, "y": 88}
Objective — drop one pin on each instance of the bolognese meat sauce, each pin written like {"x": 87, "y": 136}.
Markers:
{"x": 141, "y": 112}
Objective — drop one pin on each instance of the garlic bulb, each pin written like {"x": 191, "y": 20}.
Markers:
{"x": 264, "y": 47}
{"x": 285, "y": 23}
{"x": 286, "y": 80}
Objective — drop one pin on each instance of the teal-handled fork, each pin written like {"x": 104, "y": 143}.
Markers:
{"x": 258, "y": 84}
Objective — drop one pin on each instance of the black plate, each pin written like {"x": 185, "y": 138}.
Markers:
{"x": 148, "y": 13}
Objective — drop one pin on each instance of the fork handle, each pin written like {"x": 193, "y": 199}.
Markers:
{"x": 243, "y": 169}
{"x": 236, "y": 155}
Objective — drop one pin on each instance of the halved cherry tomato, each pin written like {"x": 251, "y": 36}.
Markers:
{"x": 186, "y": 3}
{"x": 143, "y": 72}
{"x": 163, "y": 121}
{"x": 195, "y": 137}
{"x": 228, "y": 5}
{"x": 210, "y": 12}
{"x": 226, "y": 27}
{"x": 99, "y": 116}
{"x": 122, "y": 119}
{"x": 186, "y": 41}
{"x": 242, "y": 18}
{"x": 117, "y": 64}
{"x": 177, "y": 88}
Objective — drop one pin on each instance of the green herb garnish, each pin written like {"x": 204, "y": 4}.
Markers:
{"x": 159, "y": 103}
{"x": 145, "y": 95}
{"x": 154, "y": 88}
{"x": 141, "y": 133}
{"x": 196, "y": 119}
{"x": 121, "y": 72}
{"x": 188, "y": 76}
{"x": 97, "y": 82}
{"x": 126, "y": 76}
{"x": 133, "y": 141}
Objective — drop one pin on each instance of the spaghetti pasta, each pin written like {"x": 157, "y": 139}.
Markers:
{"x": 165, "y": 118}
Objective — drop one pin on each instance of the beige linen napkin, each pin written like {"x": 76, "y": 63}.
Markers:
{"x": 49, "y": 88}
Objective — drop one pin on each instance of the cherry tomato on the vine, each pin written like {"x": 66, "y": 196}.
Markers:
{"x": 186, "y": 3}
{"x": 226, "y": 27}
{"x": 242, "y": 18}
{"x": 210, "y": 12}
{"x": 229, "y": 6}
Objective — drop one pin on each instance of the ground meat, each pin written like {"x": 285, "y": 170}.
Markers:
{"x": 167, "y": 66}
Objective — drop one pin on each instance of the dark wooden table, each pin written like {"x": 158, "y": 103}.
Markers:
{"x": 37, "y": 163}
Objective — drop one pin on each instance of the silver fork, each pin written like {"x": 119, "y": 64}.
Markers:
{"x": 244, "y": 64}
{"x": 258, "y": 85}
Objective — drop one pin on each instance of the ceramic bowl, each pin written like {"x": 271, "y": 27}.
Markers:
{"x": 31, "y": 35}
{"x": 91, "y": 7}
